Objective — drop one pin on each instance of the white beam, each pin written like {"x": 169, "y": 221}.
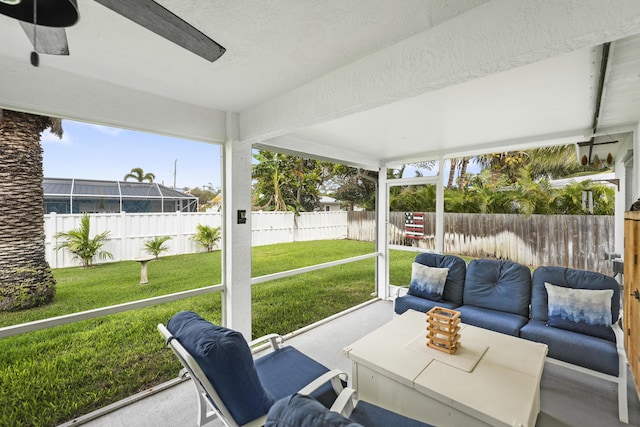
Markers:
{"x": 236, "y": 240}
{"x": 494, "y": 37}
{"x": 439, "y": 237}
{"x": 301, "y": 147}
{"x": 59, "y": 94}
{"x": 382, "y": 237}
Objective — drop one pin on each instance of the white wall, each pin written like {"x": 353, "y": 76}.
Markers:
{"x": 129, "y": 231}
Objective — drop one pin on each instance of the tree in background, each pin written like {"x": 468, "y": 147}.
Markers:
{"x": 139, "y": 175}
{"x": 25, "y": 277}
{"x": 207, "y": 196}
{"x": 354, "y": 186}
{"x": 287, "y": 183}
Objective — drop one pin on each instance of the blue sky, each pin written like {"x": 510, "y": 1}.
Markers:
{"x": 97, "y": 152}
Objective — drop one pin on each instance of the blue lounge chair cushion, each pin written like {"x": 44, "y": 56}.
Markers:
{"x": 287, "y": 370}
{"x": 225, "y": 357}
{"x": 454, "y": 285}
{"x": 304, "y": 411}
{"x": 573, "y": 347}
{"x": 371, "y": 415}
{"x": 498, "y": 285}
{"x": 498, "y": 321}
{"x": 407, "y": 302}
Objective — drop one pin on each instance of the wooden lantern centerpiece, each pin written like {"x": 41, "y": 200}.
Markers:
{"x": 443, "y": 329}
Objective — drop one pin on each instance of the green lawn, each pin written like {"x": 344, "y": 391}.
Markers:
{"x": 54, "y": 375}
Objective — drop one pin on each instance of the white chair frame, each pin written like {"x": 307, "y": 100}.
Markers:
{"x": 210, "y": 406}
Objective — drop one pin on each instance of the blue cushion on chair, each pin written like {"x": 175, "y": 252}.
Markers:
{"x": 304, "y": 411}
{"x": 498, "y": 285}
{"x": 371, "y": 415}
{"x": 286, "y": 371}
{"x": 454, "y": 285}
{"x": 225, "y": 357}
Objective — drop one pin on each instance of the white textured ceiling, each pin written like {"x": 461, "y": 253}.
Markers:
{"x": 367, "y": 82}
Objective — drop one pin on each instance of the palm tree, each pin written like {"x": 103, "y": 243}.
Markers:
{"x": 79, "y": 243}
{"x": 25, "y": 276}
{"x": 207, "y": 236}
{"x": 139, "y": 175}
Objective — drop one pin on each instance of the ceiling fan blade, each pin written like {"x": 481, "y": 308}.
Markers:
{"x": 165, "y": 23}
{"x": 49, "y": 40}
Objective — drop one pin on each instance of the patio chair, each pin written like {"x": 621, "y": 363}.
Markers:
{"x": 347, "y": 411}
{"x": 232, "y": 386}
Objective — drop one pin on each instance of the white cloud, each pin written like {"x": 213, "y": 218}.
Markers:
{"x": 49, "y": 138}
{"x": 106, "y": 130}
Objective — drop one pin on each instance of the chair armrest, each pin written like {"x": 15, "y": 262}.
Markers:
{"x": 345, "y": 402}
{"x": 333, "y": 375}
{"x": 272, "y": 340}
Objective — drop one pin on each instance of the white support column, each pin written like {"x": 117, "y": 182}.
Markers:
{"x": 382, "y": 237}
{"x": 635, "y": 187}
{"x": 236, "y": 236}
{"x": 440, "y": 208}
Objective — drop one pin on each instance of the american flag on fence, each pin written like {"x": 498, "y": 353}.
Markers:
{"x": 414, "y": 225}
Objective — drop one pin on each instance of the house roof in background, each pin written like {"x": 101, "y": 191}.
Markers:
{"x": 65, "y": 187}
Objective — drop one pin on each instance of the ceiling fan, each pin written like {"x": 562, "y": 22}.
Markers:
{"x": 44, "y": 22}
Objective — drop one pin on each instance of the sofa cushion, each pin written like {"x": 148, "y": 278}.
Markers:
{"x": 427, "y": 282}
{"x": 225, "y": 358}
{"x": 407, "y": 302}
{"x": 506, "y": 323}
{"x": 575, "y": 348}
{"x": 570, "y": 278}
{"x": 303, "y": 411}
{"x": 454, "y": 286}
{"x": 587, "y": 311}
{"x": 498, "y": 285}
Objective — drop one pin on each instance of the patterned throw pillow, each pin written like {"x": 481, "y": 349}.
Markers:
{"x": 427, "y": 282}
{"x": 587, "y": 311}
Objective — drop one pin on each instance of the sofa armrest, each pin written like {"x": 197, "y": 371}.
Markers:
{"x": 617, "y": 330}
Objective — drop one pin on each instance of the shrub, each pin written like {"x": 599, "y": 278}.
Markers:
{"x": 207, "y": 236}
{"x": 81, "y": 246}
{"x": 157, "y": 245}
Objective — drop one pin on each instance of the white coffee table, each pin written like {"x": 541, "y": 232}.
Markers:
{"x": 494, "y": 379}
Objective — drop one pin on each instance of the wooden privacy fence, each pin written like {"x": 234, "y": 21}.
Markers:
{"x": 576, "y": 241}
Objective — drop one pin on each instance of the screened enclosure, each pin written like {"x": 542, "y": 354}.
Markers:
{"x": 68, "y": 195}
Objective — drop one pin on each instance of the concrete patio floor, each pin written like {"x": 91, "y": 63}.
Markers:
{"x": 568, "y": 398}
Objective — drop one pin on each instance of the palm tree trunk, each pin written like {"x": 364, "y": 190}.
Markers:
{"x": 462, "y": 178}
{"x": 25, "y": 277}
{"x": 453, "y": 163}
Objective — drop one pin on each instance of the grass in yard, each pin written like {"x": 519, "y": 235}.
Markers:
{"x": 57, "y": 374}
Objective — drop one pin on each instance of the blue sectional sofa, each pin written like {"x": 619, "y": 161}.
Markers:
{"x": 574, "y": 312}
